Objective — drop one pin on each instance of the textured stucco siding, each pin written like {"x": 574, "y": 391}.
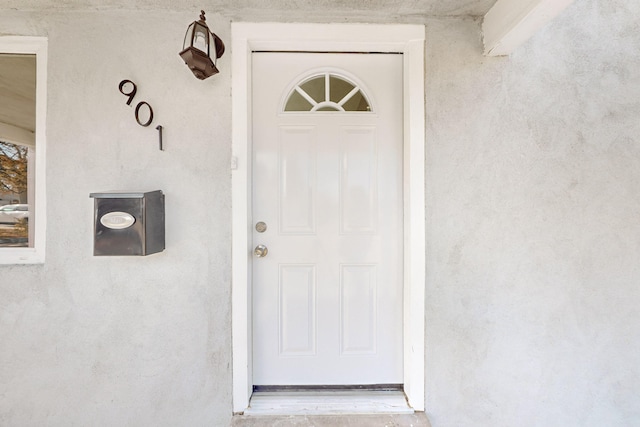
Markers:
{"x": 533, "y": 224}
{"x": 124, "y": 340}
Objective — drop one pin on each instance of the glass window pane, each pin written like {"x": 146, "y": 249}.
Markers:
{"x": 357, "y": 103}
{"x": 315, "y": 88}
{"x": 18, "y": 111}
{"x": 339, "y": 88}
{"x": 14, "y": 211}
{"x": 296, "y": 102}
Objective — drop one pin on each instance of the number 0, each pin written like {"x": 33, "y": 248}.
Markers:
{"x": 148, "y": 122}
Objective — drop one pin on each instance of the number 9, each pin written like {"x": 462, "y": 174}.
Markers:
{"x": 131, "y": 94}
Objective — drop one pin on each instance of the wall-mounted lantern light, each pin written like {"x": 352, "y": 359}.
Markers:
{"x": 201, "y": 49}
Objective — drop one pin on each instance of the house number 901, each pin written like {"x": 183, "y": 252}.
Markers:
{"x": 131, "y": 93}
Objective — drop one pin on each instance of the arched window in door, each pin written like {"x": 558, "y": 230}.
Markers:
{"x": 327, "y": 92}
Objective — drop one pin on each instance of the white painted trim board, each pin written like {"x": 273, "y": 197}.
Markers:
{"x": 406, "y": 39}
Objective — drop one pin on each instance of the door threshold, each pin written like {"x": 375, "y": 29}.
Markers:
{"x": 328, "y": 402}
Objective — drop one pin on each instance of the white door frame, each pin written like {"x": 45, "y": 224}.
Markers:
{"x": 405, "y": 39}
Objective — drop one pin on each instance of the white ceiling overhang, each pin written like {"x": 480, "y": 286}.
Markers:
{"x": 235, "y": 8}
{"x": 506, "y": 24}
{"x": 509, "y": 23}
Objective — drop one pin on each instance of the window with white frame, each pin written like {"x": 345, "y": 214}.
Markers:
{"x": 22, "y": 149}
{"x": 327, "y": 92}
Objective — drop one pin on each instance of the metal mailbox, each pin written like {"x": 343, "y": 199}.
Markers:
{"x": 128, "y": 223}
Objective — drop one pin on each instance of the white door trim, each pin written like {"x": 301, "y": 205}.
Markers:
{"x": 405, "y": 39}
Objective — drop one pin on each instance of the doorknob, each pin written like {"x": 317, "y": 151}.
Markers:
{"x": 261, "y": 251}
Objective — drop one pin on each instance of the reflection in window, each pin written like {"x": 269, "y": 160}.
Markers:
{"x": 17, "y": 141}
{"x": 327, "y": 92}
{"x": 14, "y": 211}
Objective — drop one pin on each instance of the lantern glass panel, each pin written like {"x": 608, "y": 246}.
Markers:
{"x": 187, "y": 36}
{"x": 201, "y": 38}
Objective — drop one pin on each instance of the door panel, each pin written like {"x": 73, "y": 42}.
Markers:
{"x": 358, "y": 309}
{"x": 358, "y": 181}
{"x": 297, "y": 310}
{"x": 327, "y": 297}
{"x": 297, "y": 168}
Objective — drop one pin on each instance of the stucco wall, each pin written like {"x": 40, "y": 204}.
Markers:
{"x": 533, "y": 193}
{"x": 124, "y": 341}
{"x": 533, "y": 229}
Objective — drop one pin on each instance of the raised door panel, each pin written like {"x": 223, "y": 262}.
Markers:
{"x": 358, "y": 309}
{"x": 358, "y": 181}
{"x": 297, "y": 307}
{"x": 297, "y": 180}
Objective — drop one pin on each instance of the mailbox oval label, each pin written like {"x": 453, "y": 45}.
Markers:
{"x": 117, "y": 220}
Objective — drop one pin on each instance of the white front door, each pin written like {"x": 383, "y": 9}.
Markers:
{"x": 327, "y": 206}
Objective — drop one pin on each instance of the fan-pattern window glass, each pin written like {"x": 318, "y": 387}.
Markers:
{"x": 327, "y": 92}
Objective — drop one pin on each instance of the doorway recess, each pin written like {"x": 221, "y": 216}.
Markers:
{"x": 407, "y": 40}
